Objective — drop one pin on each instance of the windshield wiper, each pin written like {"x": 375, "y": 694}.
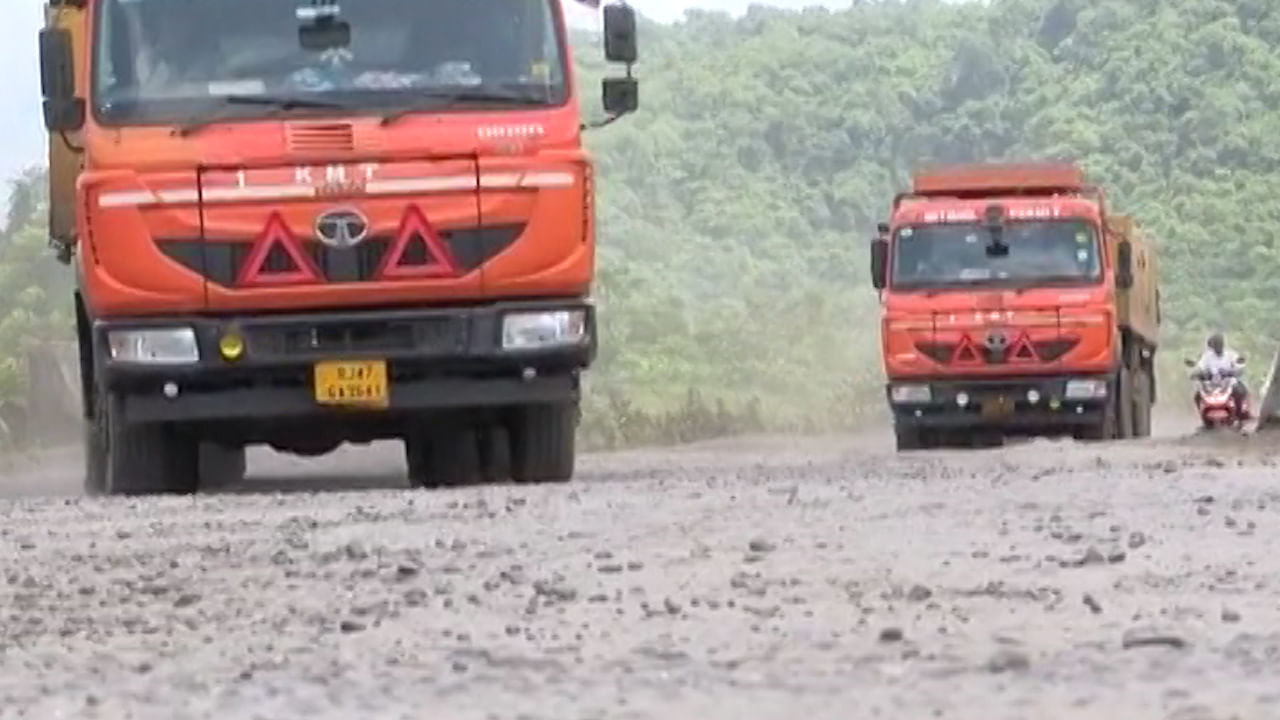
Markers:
{"x": 437, "y": 99}
{"x": 278, "y": 103}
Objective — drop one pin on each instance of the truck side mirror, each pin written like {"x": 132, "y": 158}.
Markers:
{"x": 620, "y": 95}
{"x": 63, "y": 110}
{"x": 1124, "y": 265}
{"x": 620, "y": 33}
{"x": 879, "y": 263}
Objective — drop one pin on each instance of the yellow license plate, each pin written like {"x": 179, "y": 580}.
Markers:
{"x": 360, "y": 383}
{"x": 995, "y": 407}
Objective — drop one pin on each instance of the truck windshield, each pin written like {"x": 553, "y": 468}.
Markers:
{"x": 159, "y": 61}
{"x": 1053, "y": 251}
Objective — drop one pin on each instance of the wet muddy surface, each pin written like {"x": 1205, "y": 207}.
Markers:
{"x": 761, "y": 577}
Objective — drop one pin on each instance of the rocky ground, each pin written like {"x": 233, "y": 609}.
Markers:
{"x": 753, "y": 578}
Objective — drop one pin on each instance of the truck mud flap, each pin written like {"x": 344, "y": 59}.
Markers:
{"x": 1268, "y": 408}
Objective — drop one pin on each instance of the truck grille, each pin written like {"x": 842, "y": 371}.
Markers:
{"x": 220, "y": 260}
{"x": 311, "y": 138}
{"x": 424, "y": 337}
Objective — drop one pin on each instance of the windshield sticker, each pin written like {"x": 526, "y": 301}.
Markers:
{"x": 1082, "y": 237}
{"x": 906, "y": 232}
{"x": 237, "y": 87}
{"x": 971, "y": 238}
{"x": 1082, "y": 256}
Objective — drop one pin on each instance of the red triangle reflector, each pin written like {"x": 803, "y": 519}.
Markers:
{"x": 966, "y": 353}
{"x": 276, "y": 236}
{"x": 417, "y": 251}
{"x": 1023, "y": 351}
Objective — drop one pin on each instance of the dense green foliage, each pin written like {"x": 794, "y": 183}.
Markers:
{"x": 735, "y": 207}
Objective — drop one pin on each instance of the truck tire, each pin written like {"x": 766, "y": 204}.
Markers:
{"x": 543, "y": 441}
{"x": 221, "y": 464}
{"x": 443, "y": 457}
{"x": 908, "y": 439}
{"x": 1142, "y": 404}
{"x": 1124, "y": 404}
{"x": 142, "y": 459}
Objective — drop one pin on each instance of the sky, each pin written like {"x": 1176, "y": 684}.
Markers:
{"x": 22, "y": 138}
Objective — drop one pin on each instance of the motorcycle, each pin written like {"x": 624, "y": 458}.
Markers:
{"x": 1215, "y": 401}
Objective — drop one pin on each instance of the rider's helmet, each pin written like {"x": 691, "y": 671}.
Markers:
{"x": 1216, "y": 343}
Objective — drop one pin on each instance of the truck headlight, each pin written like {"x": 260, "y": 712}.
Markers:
{"x": 543, "y": 329}
{"x": 1085, "y": 389}
{"x": 911, "y": 394}
{"x": 154, "y": 346}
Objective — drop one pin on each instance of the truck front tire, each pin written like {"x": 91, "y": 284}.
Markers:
{"x": 443, "y": 456}
{"x": 136, "y": 459}
{"x": 543, "y": 442}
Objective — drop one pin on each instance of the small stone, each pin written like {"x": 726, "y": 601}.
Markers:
{"x": 1230, "y": 616}
{"x": 919, "y": 593}
{"x": 761, "y": 545}
{"x": 672, "y": 607}
{"x": 1151, "y": 637}
{"x": 406, "y": 571}
{"x": 186, "y": 600}
{"x": 635, "y": 566}
{"x": 351, "y": 626}
{"x": 1007, "y": 660}
{"x": 1136, "y": 540}
{"x": 1116, "y": 556}
{"x": 1202, "y": 510}
{"x": 891, "y": 635}
{"x": 1094, "y": 606}
{"x": 610, "y": 568}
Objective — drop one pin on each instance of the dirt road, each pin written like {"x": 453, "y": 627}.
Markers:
{"x": 759, "y": 578}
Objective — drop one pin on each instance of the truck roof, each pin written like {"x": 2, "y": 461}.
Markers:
{"x": 988, "y": 179}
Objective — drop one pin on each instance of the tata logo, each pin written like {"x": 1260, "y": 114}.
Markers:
{"x": 342, "y": 227}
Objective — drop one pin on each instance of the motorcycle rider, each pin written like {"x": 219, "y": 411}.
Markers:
{"x": 1218, "y": 358}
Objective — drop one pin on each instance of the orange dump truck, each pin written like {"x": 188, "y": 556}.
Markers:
{"x": 1014, "y": 303}
{"x": 300, "y": 224}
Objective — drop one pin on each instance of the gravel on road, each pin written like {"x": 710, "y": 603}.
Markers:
{"x": 751, "y": 578}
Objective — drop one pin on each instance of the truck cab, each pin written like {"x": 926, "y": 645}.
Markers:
{"x": 300, "y": 224}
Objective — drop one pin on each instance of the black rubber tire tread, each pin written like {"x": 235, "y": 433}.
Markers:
{"x": 1142, "y": 392}
{"x": 907, "y": 439}
{"x": 148, "y": 459}
{"x": 543, "y": 441}
{"x": 222, "y": 465}
{"x": 443, "y": 457}
{"x": 1124, "y": 404}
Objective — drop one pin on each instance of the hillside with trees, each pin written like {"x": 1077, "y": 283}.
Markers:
{"x": 736, "y": 205}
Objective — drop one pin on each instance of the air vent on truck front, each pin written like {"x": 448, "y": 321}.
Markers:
{"x": 320, "y": 137}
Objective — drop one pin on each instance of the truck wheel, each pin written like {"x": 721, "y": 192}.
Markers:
{"x": 908, "y": 438}
{"x": 144, "y": 459}
{"x": 543, "y": 442}
{"x": 1124, "y": 403}
{"x": 1141, "y": 404}
{"x": 443, "y": 457}
{"x": 495, "y": 454}
{"x": 221, "y": 465}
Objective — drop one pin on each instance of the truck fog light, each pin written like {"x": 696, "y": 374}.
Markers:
{"x": 231, "y": 346}
{"x": 1054, "y": 403}
{"x": 171, "y": 389}
{"x": 544, "y": 329}
{"x": 1033, "y": 396}
{"x": 154, "y": 346}
{"x": 962, "y": 399}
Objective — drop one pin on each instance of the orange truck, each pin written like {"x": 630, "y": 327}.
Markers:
{"x": 1014, "y": 303}
{"x": 300, "y": 224}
